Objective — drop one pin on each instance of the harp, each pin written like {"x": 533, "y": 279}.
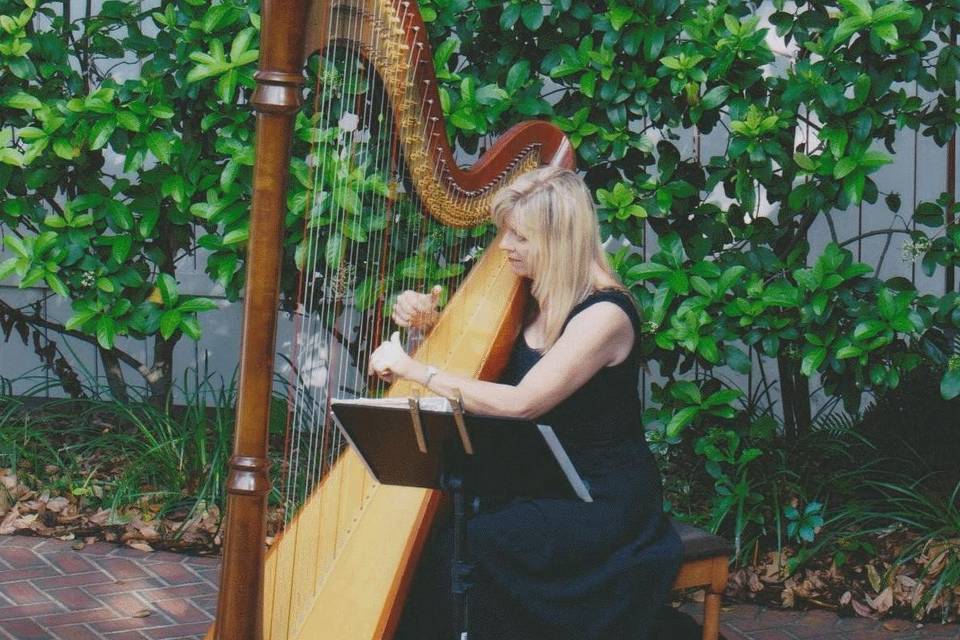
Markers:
{"x": 341, "y": 566}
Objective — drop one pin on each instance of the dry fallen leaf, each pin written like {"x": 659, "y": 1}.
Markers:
{"x": 883, "y": 602}
{"x": 874, "y": 577}
{"x": 861, "y": 609}
{"x": 57, "y": 504}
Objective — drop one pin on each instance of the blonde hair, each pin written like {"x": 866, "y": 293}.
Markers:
{"x": 553, "y": 207}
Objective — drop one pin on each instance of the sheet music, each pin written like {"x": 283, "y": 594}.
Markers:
{"x": 427, "y": 403}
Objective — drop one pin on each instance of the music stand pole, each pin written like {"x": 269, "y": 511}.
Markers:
{"x": 461, "y": 567}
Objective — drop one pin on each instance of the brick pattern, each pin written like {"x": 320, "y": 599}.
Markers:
{"x": 48, "y": 591}
{"x": 752, "y": 622}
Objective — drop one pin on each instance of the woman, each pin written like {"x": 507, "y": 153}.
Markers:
{"x": 546, "y": 567}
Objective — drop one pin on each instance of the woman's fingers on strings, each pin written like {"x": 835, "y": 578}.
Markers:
{"x": 401, "y": 319}
{"x": 413, "y": 309}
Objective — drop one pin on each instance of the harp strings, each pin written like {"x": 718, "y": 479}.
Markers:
{"x": 366, "y": 237}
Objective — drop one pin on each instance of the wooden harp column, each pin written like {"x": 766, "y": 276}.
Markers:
{"x": 473, "y": 336}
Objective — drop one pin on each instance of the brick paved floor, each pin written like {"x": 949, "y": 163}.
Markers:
{"x": 48, "y": 591}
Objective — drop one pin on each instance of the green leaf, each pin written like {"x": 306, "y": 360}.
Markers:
{"x": 707, "y": 348}
{"x": 65, "y": 149}
{"x": 509, "y": 15}
{"x": 875, "y": 159}
{"x": 79, "y": 318}
{"x": 227, "y": 86}
{"x": 847, "y": 27}
{"x": 844, "y": 167}
{"x": 491, "y": 94}
{"x": 100, "y": 133}
{"x": 888, "y": 33}
{"x": 853, "y": 186}
{"x": 857, "y": 7}
{"x": 619, "y": 16}
{"x": 866, "y": 329}
{"x": 219, "y": 17}
{"x": 236, "y": 236}
{"x": 680, "y": 420}
{"x": 167, "y": 285}
{"x": 333, "y": 253}
{"x": 190, "y": 326}
{"x": 588, "y": 83}
{"x": 56, "y": 285}
{"x": 812, "y": 361}
{"x": 106, "y": 331}
{"x": 893, "y": 12}
{"x": 161, "y": 111}
{"x": 105, "y": 285}
{"x": 16, "y": 245}
{"x": 715, "y": 97}
{"x": 128, "y": 121}
{"x": 849, "y": 351}
{"x": 11, "y": 157}
{"x": 518, "y": 75}
{"x": 722, "y": 397}
{"x": 737, "y": 359}
{"x": 532, "y": 15}
{"x": 781, "y": 293}
{"x": 121, "y": 248}
{"x": 929, "y": 214}
{"x": 241, "y": 43}
{"x": 169, "y": 323}
{"x": 159, "y": 145}
{"x": 23, "y": 100}
{"x": 686, "y": 391}
{"x": 950, "y": 385}
{"x": 195, "y": 305}
{"x": 7, "y": 267}
{"x": 648, "y": 271}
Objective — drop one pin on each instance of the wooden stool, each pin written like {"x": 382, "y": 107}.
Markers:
{"x": 704, "y": 565}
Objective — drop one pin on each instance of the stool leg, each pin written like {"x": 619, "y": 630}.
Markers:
{"x": 711, "y": 603}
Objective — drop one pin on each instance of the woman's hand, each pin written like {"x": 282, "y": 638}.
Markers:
{"x": 417, "y": 310}
{"x": 390, "y": 361}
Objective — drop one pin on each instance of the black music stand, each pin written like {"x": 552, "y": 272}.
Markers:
{"x": 431, "y": 443}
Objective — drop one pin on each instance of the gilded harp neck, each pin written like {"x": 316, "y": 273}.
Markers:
{"x": 392, "y": 37}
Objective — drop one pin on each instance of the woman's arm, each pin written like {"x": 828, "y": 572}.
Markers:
{"x": 598, "y": 336}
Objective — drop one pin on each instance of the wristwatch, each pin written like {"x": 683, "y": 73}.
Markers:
{"x": 431, "y": 371}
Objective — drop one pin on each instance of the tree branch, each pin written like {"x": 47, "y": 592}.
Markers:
{"x": 878, "y": 232}
{"x": 38, "y": 321}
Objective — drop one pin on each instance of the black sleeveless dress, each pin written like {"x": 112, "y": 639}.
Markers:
{"x": 567, "y": 569}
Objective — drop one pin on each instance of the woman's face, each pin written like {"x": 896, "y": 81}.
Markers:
{"x": 518, "y": 247}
